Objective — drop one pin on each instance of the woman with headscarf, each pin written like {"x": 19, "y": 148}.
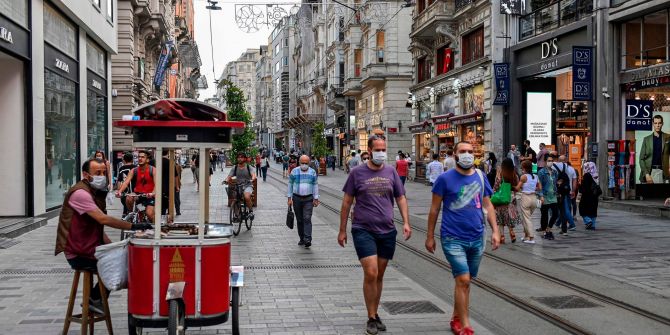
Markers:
{"x": 590, "y": 190}
{"x": 507, "y": 215}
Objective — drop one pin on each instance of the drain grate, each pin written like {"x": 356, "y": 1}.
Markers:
{"x": 565, "y": 302}
{"x": 6, "y": 243}
{"x": 302, "y": 266}
{"x": 25, "y": 272}
{"x": 411, "y": 307}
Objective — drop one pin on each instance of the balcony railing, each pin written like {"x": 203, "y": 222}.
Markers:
{"x": 615, "y": 3}
{"x": 460, "y": 4}
{"x": 552, "y": 16}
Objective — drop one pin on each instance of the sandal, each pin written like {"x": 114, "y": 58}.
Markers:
{"x": 502, "y": 239}
{"x": 512, "y": 236}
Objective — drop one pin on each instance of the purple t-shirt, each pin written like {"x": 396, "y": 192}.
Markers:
{"x": 374, "y": 192}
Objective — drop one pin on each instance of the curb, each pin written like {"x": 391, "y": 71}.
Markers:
{"x": 24, "y": 225}
{"x": 651, "y": 210}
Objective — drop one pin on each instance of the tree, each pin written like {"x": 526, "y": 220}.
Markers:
{"x": 237, "y": 111}
{"x": 319, "y": 146}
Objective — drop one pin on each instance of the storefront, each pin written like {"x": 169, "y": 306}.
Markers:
{"x": 96, "y": 95}
{"x": 470, "y": 128}
{"x": 421, "y": 139}
{"x": 553, "y": 102}
{"x": 645, "y": 102}
{"x": 444, "y": 134}
{"x": 15, "y": 135}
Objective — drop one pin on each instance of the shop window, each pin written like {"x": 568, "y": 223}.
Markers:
{"x": 95, "y": 58}
{"x": 645, "y": 40}
{"x": 422, "y": 69}
{"x": 445, "y": 60}
{"x": 380, "y": 46}
{"x": 97, "y": 122}
{"x": 62, "y": 136}
{"x": 473, "y": 46}
{"x": 59, "y": 32}
{"x": 358, "y": 58}
{"x": 15, "y": 10}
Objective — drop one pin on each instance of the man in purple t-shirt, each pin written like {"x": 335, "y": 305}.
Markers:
{"x": 374, "y": 186}
{"x": 463, "y": 193}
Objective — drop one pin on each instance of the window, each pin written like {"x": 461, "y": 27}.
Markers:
{"x": 110, "y": 10}
{"x": 277, "y": 48}
{"x": 358, "y": 58}
{"x": 96, "y": 105}
{"x": 645, "y": 40}
{"x": 95, "y": 58}
{"x": 380, "y": 46}
{"x": 277, "y": 67}
{"x": 15, "y": 10}
{"x": 473, "y": 46}
{"x": 284, "y": 61}
{"x": 62, "y": 137}
{"x": 445, "y": 60}
{"x": 286, "y": 42}
{"x": 59, "y": 32}
{"x": 422, "y": 69}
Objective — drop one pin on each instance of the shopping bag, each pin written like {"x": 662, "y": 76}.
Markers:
{"x": 503, "y": 195}
{"x": 113, "y": 264}
{"x": 289, "y": 218}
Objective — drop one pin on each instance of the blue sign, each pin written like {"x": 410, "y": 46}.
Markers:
{"x": 162, "y": 64}
{"x": 639, "y": 114}
{"x": 501, "y": 74}
{"x": 582, "y": 68}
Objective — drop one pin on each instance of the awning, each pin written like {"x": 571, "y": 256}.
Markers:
{"x": 467, "y": 118}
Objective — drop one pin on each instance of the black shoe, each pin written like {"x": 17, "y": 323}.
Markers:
{"x": 538, "y": 230}
{"x": 251, "y": 216}
{"x": 549, "y": 236}
{"x": 308, "y": 244}
{"x": 380, "y": 325}
{"x": 301, "y": 242}
{"x": 178, "y": 213}
{"x": 371, "y": 327}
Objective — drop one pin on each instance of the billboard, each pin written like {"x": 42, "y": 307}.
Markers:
{"x": 538, "y": 118}
{"x": 653, "y": 159}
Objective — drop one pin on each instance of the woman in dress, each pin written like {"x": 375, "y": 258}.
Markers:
{"x": 507, "y": 215}
{"x": 588, "y": 204}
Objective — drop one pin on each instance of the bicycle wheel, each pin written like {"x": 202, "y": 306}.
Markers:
{"x": 176, "y": 320}
{"x": 247, "y": 221}
{"x": 235, "y": 217}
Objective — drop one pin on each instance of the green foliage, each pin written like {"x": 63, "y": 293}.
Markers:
{"x": 278, "y": 143}
{"x": 319, "y": 145}
{"x": 236, "y": 111}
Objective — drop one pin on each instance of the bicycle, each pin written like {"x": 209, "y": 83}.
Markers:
{"x": 238, "y": 209}
{"x": 138, "y": 213}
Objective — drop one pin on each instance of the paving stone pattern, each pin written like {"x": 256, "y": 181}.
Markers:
{"x": 281, "y": 296}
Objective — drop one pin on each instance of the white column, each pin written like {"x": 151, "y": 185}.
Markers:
{"x": 83, "y": 106}
{"x": 38, "y": 122}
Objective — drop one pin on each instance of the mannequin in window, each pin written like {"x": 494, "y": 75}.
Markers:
{"x": 563, "y": 144}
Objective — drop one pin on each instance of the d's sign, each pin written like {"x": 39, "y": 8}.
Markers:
{"x": 638, "y": 114}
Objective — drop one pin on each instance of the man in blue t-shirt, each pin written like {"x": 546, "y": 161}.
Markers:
{"x": 466, "y": 194}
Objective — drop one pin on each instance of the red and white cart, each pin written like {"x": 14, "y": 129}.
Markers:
{"x": 186, "y": 279}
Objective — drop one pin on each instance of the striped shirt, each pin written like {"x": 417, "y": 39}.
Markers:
{"x": 303, "y": 183}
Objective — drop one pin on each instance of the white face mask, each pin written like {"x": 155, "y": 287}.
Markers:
{"x": 99, "y": 182}
{"x": 378, "y": 157}
{"x": 466, "y": 160}
{"x": 365, "y": 160}
{"x": 304, "y": 167}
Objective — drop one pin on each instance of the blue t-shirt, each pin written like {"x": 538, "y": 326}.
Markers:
{"x": 462, "y": 216}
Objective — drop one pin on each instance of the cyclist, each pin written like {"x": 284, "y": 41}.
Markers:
{"x": 244, "y": 175}
{"x": 124, "y": 170}
{"x": 142, "y": 177}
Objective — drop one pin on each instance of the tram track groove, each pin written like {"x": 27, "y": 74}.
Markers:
{"x": 507, "y": 296}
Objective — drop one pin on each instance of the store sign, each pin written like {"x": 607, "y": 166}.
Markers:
{"x": 360, "y": 124}
{"x": 547, "y": 55}
{"x": 501, "y": 73}
{"x": 60, "y": 63}
{"x": 638, "y": 114}
{"x": 538, "y": 118}
{"x": 6, "y": 35}
{"x": 96, "y": 83}
{"x": 645, "y": 74}
{"x": 442, "y": 128}
{"x": 550, "y": 48}
{"x": 582, "y": 67}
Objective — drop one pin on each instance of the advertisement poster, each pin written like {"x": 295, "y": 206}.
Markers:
{"x": 446, "y": 105}
{"x": 538, "y": 118}
{"x": 473, "y": 99}
{"x": 648, "y": 171}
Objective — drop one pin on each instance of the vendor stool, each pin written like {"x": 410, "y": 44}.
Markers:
{"x": 87, "y": 318}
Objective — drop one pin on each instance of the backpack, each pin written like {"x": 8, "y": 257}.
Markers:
{"x": 562, "y": 180}
{"x": 235, "y": 170}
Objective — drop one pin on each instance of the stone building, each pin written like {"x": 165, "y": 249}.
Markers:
{"x": 242, "y": 73}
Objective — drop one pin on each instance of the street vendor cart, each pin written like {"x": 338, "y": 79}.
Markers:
{"x": 180, "y": 275}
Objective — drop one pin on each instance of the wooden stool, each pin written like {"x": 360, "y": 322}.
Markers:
{"x": 87, "y": 319}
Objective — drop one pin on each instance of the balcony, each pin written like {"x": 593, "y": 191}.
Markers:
{"x": 460, "y": 4}
{"x": 352, "y": 86}
{"x": 335, "y": 98}
{"x": 425, "y": 22}
{"x": 553, "y": 16}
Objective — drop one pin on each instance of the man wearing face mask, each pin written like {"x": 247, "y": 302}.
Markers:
{"x": 374, "y": 186}
{"x": 303, "y": 195}
{"x": 82, "y": 220}
{"x": 464, "y": 196}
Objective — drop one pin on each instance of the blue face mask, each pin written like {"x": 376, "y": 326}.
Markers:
{"x": 99, "y": 182}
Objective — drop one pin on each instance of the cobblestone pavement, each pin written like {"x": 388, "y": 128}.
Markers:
{"x": 627, "y": 247}
{"x": 288, "y": 289}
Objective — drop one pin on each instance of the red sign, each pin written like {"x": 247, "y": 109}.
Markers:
{"x": 392, "y": 130}
{"x": 443, "y": 127}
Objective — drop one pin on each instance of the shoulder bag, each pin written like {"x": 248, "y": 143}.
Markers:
{"x": 289, "y": 218}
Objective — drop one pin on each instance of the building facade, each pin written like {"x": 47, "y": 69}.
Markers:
{"x": 281, "y": 43}
{"x": 264, "y": 86}
{"x": 54, "y": 93}
{"x": 242, "y": 73}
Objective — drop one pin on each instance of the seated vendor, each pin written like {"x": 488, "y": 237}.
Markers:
{"x": 82, "y": 220}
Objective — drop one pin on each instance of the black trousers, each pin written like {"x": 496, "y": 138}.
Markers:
{"x": 303, "y": 207}
{"x": 87, "y": 264}
{"x": 177, "y": 203}
{"x": 545, "y": 221}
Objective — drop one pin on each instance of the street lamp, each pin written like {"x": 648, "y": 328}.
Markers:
{"x": 212, "y": 5}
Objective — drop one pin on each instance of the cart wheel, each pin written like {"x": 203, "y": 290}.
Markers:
{"x": 177, "y": 320}
{"x": 235, "y": 310}
{"x": 235, "y": 217}
{"x": 132, "y": 328}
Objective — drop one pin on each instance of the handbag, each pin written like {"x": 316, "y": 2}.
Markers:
{"x": 289, "y": 218}
{"x": 503, "y": 195}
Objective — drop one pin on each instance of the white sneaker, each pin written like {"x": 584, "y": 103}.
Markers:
{"x": 529, "y": 241}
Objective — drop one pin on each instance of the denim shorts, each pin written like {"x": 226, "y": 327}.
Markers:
{"x": 463, "y": 256}
{"x": 370, "y": 244}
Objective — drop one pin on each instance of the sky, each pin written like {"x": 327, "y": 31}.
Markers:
{"x": 229, "y": 41}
